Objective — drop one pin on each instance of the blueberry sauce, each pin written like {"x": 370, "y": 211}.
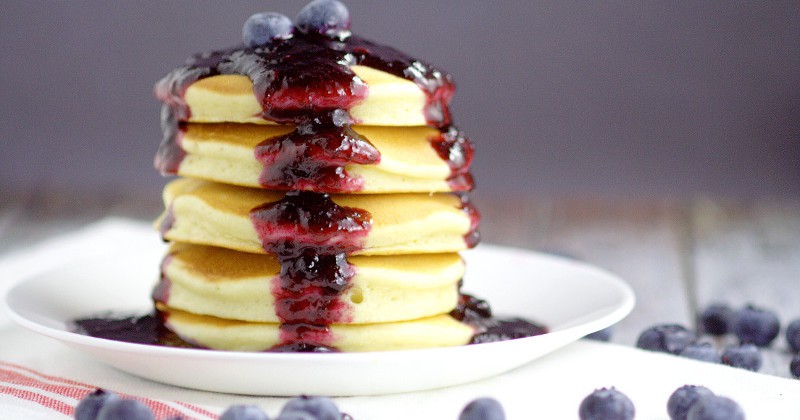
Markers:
{"x": 140, "y": 329}
{"x": 311, "y": 236}
{"x": 313, "y": 158}
{"x": 306, "y": 81}
{"x": 472, "y": 237}
{"x": 477, "y": 313}
{"x": 457, "y": 151}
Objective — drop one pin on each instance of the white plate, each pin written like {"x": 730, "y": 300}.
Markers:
{"x": 571, "y": 298}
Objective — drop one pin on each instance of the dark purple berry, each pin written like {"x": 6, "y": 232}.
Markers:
{"x": 602, "y": 335}
{"x": 483, "y": 409}
{"x": 715, "y": 408}
{"x": 756, "y": 325}
{"x": 606, "y": 404}
{"x": 667, "y": 338}
{"x": 321, "y": 408}
{"x": 243, "y": 412}
{"x": 683, "y": 398}
{"x": 326, "y": 17}
{"x": 704, "y": 352}
{"x": 793, "y": 335}
{"x": 717, "y": 319}
{"x": 794, "y": 366}
{"x": 261, "y": 28}
{"x": 125, "y": 409}
{"x": 90, "y": 405}
{"x": 746, "y": 356}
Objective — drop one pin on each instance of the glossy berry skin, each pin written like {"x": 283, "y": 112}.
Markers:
{"x": 606, "y": 404}
{"x": 715, "y": 408}
{"x": 746, "y": 356}
{"x": 704, "y": 352}
{"x": 717, "y": 319}
{"x": 756, "y": 325}
{"x": 124, "y": 409}
{"x": 325, "y": 17}
{"x": 261, "y": 28}
{"x": 90, "y": 405}
{"x": 243, "y": 412}
{"x": 793, "y": 335}
{"x": 483, "y": 409}
{"x": 667, "y": 338}
{"x": 321, "y": 408}
{"x": 683, "y": 398}
{"x": 794, "y": 366}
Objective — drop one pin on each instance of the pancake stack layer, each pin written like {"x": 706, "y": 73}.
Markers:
{"x": 321, "y": 199}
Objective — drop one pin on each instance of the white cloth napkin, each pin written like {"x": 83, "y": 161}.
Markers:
{"x": 40, "y": 378}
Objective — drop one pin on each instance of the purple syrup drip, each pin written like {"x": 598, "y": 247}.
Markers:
{"x": 313, "y": 157}
{"x": 477, "y": 312}
{"x": 457, "y": 151}
{"x": 170, "y": 152}
{"x": 311, "y": 236}
{"x": 472, "y": 237}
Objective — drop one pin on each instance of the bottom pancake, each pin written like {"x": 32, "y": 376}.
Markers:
{"x": 223, "y": 334}
{"x": 235, "y": 285}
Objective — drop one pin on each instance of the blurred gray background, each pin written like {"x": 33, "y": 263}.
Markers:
{"x": 569, "y": 98}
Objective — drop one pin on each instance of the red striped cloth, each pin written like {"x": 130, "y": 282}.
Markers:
{"x": 61, "y": 395}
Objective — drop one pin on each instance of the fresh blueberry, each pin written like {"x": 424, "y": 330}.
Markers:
{"x": 322, "y": 408}
{"x": 794, "y": 366}
{"x": 715, "y": 408}
{"x": 746, "y": 356}
{"x": 667, "y": 338}
{"x": 261, "y": 28}
{"x": 756, "y": 325}
{"x": 125, "y": 409}
{"x": 606, "y": 404}
{"x": 717, "y": 319}
{"x": 602, "y": 335}
{"x": 701, "y": 351}
{"x": 793, "y": 335}
{"x": 483, "y": 409}
{"x": 327, "y": 17}
{"x": 90, "y": 405}
{"x": 683, "y": 398}
{"x": 243, "y": 412}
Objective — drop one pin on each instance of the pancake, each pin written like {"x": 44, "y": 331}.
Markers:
{"x": 207, "y": 213}
{"x": 408, "y": 162}
{"x": 236, "y": 285}
{"x": 391, "y": 100}
{"x": 223, "y": 334}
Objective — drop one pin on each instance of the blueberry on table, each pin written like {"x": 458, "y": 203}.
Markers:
{"x": 793, "y": 335}
{"x": 666, "y": 338}
{"x": 326, "y": 17}
{"x": 715, "y": 408}
{"x": 683, "y": 398}
{"x": 261, "y": 28}
{"x": 746, "y": 356}
{"x": 794, "y": 366}
{"x": 321, "y": 408}
{"x": 756, "y": 325}
{"x": 125, "y": 409}
{"x": 717, "y": 319}
{"x": 243, "y": 412}
{"x": 90, "y": 405}
{"x": 606, "y": 404}
{"x": 484, "y": 408}
{"x": 704, "y": 352}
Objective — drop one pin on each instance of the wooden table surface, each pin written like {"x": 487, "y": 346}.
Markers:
{"x": 677, "y": 254}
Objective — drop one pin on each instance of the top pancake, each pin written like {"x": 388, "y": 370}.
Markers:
{"x": 390, "y": 101}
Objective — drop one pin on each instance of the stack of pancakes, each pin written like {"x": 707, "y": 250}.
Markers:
{"x": 369, "y": 264}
